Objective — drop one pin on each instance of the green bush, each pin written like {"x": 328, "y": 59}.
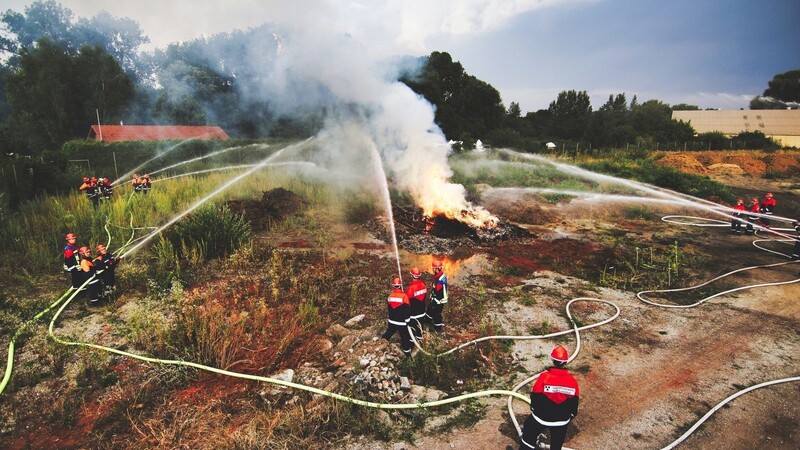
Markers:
{"x": 211, "y": 231}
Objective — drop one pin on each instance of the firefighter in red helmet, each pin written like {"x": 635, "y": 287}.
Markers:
{"x": 738, "y": 216}
{"x": 768, "y": 208}
{"x": 398, "y": 305}
{"x": 753, "y": 217}
{"x": 89, "y": 272}
{"x": 438, "y": 296}
{"x": 554, "y": 402}
{"x": 417, "y": 292}
{"x": 72, "y": 260}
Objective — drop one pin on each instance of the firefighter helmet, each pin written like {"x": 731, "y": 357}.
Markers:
{"x": 559, "y": 354}
{"x": 755, "y": 199}
{"x": 437, "y": 263}
{"x": 94, "y": 178}
{"x": 769, "y": 194}
{"x": 85, "y": 179}
{"x": 83, "y": 249}
{"x": 71, "y": 236}
{"x": 415, "y": 272}
{"x": 396, "y": 282}
{"x": 740, "y": 201}
{"x": 100, "y": 247}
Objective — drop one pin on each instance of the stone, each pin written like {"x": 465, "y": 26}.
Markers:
{"x": 325, "y": 344}
{"x": 364, "y": 362}
{"x": 337, "y": 331}
{"x": 354, "y": 320}
{"x": 286, "y": 375}
{"x": 348, "y": 342}
{"x": 405, "y": 384}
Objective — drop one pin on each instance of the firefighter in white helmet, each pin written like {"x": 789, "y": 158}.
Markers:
{"x": 438, "y": 296}
{"x": 554, "y": 402}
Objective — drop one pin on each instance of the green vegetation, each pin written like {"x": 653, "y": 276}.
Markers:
{"x": 647, "y": 171}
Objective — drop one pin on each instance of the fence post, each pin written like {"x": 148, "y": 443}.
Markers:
{"x": 116, "y": 172}
{"x": 14, "y": 168}
{"x": 684, "y": 145}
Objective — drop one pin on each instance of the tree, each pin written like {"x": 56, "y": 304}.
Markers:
{"x": 571, "y": 113}
{"x": 53, "y": 95}
{"x": 41, "y": 19}
{"x": 514, "y": 110}
{"x": 685, "y": 107}
{"x": 466, "y": 107}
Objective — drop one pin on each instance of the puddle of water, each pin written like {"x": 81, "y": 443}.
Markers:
{"x": 456, "y": 269}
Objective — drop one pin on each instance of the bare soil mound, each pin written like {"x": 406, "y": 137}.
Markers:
{"x": 683, "y": 162}
{"x": 783, "y": 164}
{"x": 750, "y": 164}
{"x": 274, "y": 205}
{"x": 725, "y": 169}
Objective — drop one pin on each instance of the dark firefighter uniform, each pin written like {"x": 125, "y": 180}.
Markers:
{"x": 768, "y": 208}
{"x": 738, "y": 216}
{"x": 796, "y": 251}
{"x": 105, "y": 263}
{"x": 72, "y": 261}
{"x": 554, "y": 402}
{"x": 136, "y": 183}
{"x": 89, "y": 271}
{"x": 90, "y": 189}
{"x": 755, "y": 209}
{"x": 146, "y": 184}
{"x": 438, "y": 298}
{"x": 398, "y": 305}
{"x": 417, "y": 292}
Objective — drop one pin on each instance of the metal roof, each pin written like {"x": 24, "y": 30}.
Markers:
{"x": 771, "y": 122}
{"x": 117, "y": 133}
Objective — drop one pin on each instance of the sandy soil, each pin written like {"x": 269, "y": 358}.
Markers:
{"x": 652, "y": 373}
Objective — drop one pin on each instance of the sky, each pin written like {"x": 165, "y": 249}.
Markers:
{"x": 710, "y": 53}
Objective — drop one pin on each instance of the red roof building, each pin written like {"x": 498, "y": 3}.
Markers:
{"x": 118, "y": 133}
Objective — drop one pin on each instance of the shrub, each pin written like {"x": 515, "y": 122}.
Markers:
{"x": 211, "y": 231}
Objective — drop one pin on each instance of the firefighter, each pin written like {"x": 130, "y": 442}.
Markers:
{"x": 105, "y": 263}
{"x": 136, "y": 183}
{"x": 89, "y": 271}
{"x": 398, "y": 306}
{"x": 145, "y": 182}
{"x": 768, "y": 208}
{"x": 738, "y": 214}
{"x": 89, "y": 188}
{"x": 72, "y": 260}
{"x": 554, "y": 402}
{"x": 796, "y": 251}
{"x": 105, "y": 188}
{"x": 438, "y": 296}
{"x": 417, "y": 292}
{"x": 755, "y": 210}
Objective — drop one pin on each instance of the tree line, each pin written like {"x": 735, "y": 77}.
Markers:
{"x": 60, "y": 74}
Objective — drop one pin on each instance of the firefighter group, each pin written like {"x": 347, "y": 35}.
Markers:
{"x": 98, "y": 270}
{"x": 97, "y": 189}
{"x": 141, "y": 184}
{"x": 408, "y": 311}
{"x": 756, "y": 213}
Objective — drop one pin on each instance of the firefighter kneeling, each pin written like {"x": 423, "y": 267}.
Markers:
{"x": 398, "y": 305}
{"x": 554, "y": 402}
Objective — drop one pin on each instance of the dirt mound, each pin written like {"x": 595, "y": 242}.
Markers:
{"x": 783, "y": 164}
{"x": 684, "y": 163}
{"x": 725, "y": 169}
{"x": 275, "y": 205}
{"x": 750, "y": 164}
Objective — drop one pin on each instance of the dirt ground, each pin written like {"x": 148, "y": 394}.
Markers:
{"x": 647, "y": 376}
{"x": 652, "y": 373}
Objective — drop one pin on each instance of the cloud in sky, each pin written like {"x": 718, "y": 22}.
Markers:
{"x": 714, "y": 53}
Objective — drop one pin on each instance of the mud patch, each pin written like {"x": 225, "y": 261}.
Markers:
{"x": 275, "y": 205}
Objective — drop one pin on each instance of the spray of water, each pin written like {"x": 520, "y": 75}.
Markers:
{"x": 225, "y": 186}
{"x": 199, "y": 158}
{"x": 240, "y": 166}
{"x": 586, "y": 196}
{"x": 129, "y": 173}
{"x": 684, "y": 199}
{"x": 387, "y": 203}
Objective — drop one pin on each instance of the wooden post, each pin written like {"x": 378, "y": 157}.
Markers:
{"x": 116, "y": 172}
